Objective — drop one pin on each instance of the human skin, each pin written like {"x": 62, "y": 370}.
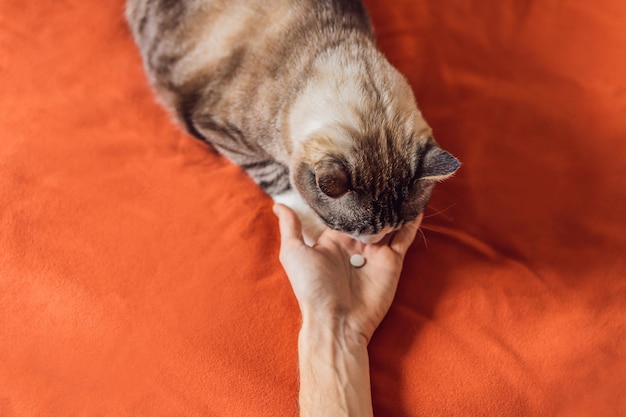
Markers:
{"x": 341, "y": 308}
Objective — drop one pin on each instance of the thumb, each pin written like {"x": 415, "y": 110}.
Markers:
{"x": 404, "y": 237}
{"x": 288, "y": 223}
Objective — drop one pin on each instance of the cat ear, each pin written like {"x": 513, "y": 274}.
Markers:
{"x": 438, "y": 164}
{"x": 331, "y": 177}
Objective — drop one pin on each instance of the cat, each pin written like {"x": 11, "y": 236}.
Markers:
{"x": 296, "y": 93}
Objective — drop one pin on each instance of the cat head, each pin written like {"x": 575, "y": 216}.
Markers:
{"x": 365, "y": 159}
{"x": 369, "y": 186}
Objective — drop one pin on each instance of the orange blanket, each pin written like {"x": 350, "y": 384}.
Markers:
{"x": 139, "y": 272}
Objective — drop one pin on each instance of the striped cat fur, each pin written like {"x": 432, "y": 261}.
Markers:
{"x": 296, "y": 93}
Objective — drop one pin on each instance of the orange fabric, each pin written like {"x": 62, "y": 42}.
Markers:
{"x": 139, "y": 271}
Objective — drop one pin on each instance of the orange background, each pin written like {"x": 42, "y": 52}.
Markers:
{"x": 139, "y": 271}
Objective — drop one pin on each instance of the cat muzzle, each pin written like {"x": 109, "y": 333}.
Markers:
{"x": 372, "y": 239}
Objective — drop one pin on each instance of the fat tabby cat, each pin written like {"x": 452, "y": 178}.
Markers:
{"x": 296, "y": 93}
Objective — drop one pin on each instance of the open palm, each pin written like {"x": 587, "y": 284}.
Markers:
{"x": 328, "y": 288}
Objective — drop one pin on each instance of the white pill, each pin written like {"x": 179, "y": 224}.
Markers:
{"x": 357, "y": 260}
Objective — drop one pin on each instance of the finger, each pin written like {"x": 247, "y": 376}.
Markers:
{"x": 387, "y": 239}
{"x": 403, "y": 238}
{"x": 288, "y": 223}
{"x": 340, "y": 239}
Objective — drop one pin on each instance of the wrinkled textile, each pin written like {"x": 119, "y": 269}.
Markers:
{"x": 139, "y": 271}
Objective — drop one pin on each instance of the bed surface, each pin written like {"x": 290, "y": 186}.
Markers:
{"x": 139, "y": 271}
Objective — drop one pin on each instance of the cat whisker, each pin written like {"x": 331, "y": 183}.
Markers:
{"x": 423, "y": 237}
{"x": 440, "y": 230}
{"x": 438, "y": 212}
{"x": 426, "y": 227}
{"x": 419, "y": 229}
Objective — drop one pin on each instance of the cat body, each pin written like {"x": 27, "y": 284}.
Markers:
{"x": 296, "y": 93}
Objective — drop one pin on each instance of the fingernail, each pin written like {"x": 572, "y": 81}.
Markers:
{"x": 275, "y": 210}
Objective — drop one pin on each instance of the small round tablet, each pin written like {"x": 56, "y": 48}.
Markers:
{"x": 357, "y": 260}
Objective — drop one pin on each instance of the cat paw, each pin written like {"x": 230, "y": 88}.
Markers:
{"x": 312, "y": 225}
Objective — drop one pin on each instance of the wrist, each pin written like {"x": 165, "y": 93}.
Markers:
{"x": 326, "y": 329}
{"x": 334, "y": 370}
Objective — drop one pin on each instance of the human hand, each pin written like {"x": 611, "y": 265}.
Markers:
{"x": 332, "y": 292}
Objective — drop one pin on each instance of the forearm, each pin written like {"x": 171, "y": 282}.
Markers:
{"x": 334, "y": 372}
